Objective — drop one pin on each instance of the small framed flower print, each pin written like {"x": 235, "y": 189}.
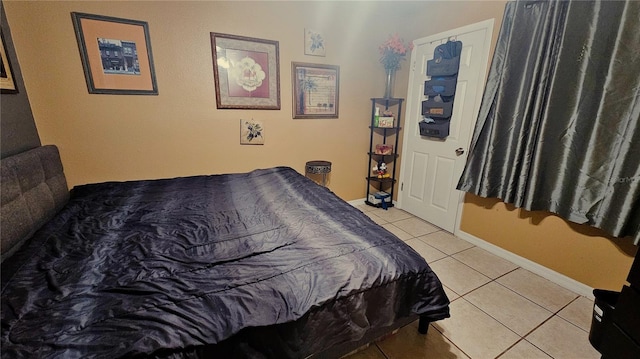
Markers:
{"x": 313, "y": 43}
{"x": 251, "y": 132}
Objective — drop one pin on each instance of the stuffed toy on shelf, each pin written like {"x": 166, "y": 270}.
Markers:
{"x": 381, "y": 170}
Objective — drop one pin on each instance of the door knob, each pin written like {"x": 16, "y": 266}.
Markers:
{"x": 459, "y": 151}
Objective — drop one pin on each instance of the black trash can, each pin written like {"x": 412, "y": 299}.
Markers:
{"x": 603, "y": 307}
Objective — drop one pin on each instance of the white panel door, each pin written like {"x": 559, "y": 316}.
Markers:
{"x": 431, "y": 167}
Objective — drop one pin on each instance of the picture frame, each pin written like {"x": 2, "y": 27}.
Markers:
{"x": 314, "y": 43}
{"x": 116, "y": 55}
{"x": 251, "y": 132}
{"x": 316, "y": 90}
{"x": 246, "y": 72}
{"x": 7, "y": 82}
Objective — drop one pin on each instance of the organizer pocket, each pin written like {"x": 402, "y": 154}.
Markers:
{"x": 439, "y": 128}
{"x": 440, "y": 66}
{"x": 443, "y": 86}
{"x": 431, "y": 108}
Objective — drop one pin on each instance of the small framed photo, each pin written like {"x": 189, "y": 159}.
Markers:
{"x": 313, "y": 43}
{"x": 246, "y": 72}
{"x": 315, "y": 90}
{"x": 7, "y": 83}
{"x": 116, "y": 55}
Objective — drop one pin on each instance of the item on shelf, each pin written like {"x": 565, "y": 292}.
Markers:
{"x": 376, "y": 117}
{"x": 385, "y": 122}
{"x": 384, "y": 149}
{"x": 380, "y": 170}
{"x": 379, "y": 197}
{"x": 392, "y": 52}
{"x": 390, "y": 80}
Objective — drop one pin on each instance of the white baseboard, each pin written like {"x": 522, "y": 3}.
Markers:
{"x": 559, "y": 279}
{"x": 356, "y": 202}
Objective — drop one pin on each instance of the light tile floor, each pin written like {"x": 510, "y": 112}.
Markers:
{"x": 498, "y": 310}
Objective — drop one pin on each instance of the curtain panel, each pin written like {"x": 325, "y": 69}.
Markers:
{"x": 558, "y": 126}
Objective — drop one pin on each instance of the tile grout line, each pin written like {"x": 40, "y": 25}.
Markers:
{"x": 522, "y": 337}
{"x": 567, "y": 320}
{"x": 473, "y": 269}
{"x": 450, "y": 340}
{"x": 555, "y": 314}
{"x": 531, "y": 300}
{"x": 512, "y": 345}
{"x": 490, "y": 316}
{"x": 381, "y": 351}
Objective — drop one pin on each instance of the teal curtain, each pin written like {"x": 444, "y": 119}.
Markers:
{"x": 558, "y": 126}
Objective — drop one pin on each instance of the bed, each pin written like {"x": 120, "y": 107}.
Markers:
{"x": 264, "y": 264}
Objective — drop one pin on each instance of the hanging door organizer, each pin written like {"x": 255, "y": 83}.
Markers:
{"x": 440, "y": 90}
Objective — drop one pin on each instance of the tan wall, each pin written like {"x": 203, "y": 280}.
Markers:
{"x": 581, "y": 252}
{"x": 180, "y": 132}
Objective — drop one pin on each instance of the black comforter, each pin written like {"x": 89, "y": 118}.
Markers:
{"x": 161, "y": 266}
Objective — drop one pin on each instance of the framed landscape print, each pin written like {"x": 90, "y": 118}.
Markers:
{"x": 116, "y": 55}
{"x": 7, "y": 83}
{"x": 315, "y": 90}
{"x": 246, "y": 72}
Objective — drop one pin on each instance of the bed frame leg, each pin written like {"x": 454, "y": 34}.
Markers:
{"x": 423, "y": 325}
